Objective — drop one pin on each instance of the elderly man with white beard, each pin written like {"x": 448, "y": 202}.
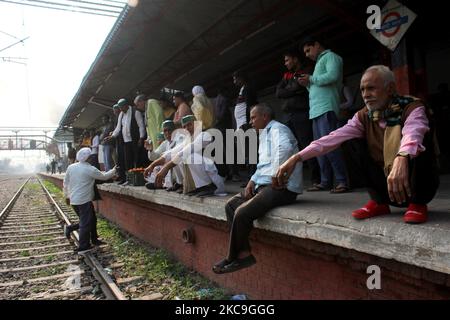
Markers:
{"x": 400, "y": 166}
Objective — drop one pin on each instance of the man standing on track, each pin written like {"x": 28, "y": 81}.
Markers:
{"x": 79, "y": 192}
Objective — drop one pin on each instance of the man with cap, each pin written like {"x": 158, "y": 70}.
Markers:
{"x": 200, "y": 175}
{"x": 130, "y": 126}
{"x": 164, "y": 139}
{"x": 170, "y": 140}
{"x": 79, "y": 192}
{"x": 153, "y": 155}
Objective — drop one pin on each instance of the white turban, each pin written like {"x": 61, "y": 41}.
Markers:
{"x": 198, "y": 90}
{"x": 83, "y": 154}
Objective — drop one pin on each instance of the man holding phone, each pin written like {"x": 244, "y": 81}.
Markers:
{"x": 295, "y": 105}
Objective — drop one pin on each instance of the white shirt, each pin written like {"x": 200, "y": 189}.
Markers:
{"x": 183, "y": 151}
{"x": 240, "y": 112}
{"x": 124, "y": 125}
{"x": 95, "y": 143}
{"x": 277, "y": 144}
{"x": 155, "y": 154}
{"x": 79, "y": 182}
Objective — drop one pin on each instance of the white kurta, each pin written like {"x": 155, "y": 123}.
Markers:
{"x": 202, "y": 169}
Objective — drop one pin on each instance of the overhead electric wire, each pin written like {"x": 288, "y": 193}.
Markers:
{"x": 63, "y": 9}
{"x": 55, "y": 8}
{"x": 121, "y": 2}
{"x": 20, "y": 41}
{"x": 62, "y": 4}
{"x": 97, "y": 4}
{"x": 9, "y": 34}
{"x": 14, "y": 58}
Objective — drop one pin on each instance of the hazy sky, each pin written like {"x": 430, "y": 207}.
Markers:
{"x": 60, "y": 49}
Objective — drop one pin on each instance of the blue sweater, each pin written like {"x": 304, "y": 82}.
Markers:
{"x": 325, "y": 85}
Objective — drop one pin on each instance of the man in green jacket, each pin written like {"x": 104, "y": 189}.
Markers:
{"x": 324, "y": 86}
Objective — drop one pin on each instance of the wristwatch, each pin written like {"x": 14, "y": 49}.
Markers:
{"x": 403, "y": 154}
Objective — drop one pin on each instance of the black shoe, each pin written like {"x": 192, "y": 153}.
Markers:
{"x": 206, "y": 188}
{"x": 83, "y": 250}
{"x": 98, "y": 242}
{"x": 209, "y": 191}
{"x": 150, "y": 186}
{"x": 175, "y": 187}
{"x": 217, "y": 268}
{"x": 67, "y": 231}
{"x": 238, "y": 264}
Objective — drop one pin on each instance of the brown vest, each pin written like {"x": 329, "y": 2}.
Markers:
{"x": 375, "y": 135}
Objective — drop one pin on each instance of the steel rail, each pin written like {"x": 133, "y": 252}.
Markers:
{"x": 109, "y": 287}
{"x": 11, "y": 202}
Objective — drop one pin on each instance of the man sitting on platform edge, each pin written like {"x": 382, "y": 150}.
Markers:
{"x": 276, "y": 144}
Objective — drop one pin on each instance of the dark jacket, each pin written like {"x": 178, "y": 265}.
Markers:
{"x": 250, "y": 97}
{"x": 134, "y": 128}
{"x": 295, "y": 96}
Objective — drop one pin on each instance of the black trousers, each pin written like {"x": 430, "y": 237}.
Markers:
{"x": 423, "y": 173}
{"x": 130, "y": 154}
{"x": 241, "y": 213}
{"x": 93, "y": 160}
{"x": 301, "y": 127}
{"x": 121, "y": 160}
{"x": 88, "y": 224}
{"x": 142, "y": 157}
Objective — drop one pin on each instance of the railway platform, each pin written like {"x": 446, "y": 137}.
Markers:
{"x": 312, "y": 249}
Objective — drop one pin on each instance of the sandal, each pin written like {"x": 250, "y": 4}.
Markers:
{"x": 218, "y": 267}
{"x": 239, "y": 264}
{"x": 340, "y": 189}
{"x": 316, "y": 187}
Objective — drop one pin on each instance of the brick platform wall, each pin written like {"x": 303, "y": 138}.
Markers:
{"x": 287, "y": 267}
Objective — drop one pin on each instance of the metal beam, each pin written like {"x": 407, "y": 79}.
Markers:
{"x": 278, "y": 9}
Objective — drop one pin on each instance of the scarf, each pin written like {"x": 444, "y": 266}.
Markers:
{"x": 393, "y": 134}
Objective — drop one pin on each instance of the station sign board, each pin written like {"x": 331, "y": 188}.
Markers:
{"x": 395, "y": 21}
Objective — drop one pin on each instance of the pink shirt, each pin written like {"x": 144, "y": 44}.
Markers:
{"x": 414, "y": 129}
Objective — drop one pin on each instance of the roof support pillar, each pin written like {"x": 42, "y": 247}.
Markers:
{"x": 402, "y": 69}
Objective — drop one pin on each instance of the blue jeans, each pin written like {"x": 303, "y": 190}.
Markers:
{"x": 332, "y": 161}
{"x": 107, "y": 157}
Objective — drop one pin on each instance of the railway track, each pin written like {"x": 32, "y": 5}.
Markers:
{"x": 36, "y": 259}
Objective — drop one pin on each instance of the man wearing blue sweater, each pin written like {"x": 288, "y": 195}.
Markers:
{"x": 324, "y": 86}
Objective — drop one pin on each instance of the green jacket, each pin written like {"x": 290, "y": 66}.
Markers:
{"x": 325, "y": 85}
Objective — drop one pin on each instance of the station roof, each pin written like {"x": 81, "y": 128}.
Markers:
{"x": 180, "y": 43}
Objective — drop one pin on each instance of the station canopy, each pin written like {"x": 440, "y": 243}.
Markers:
{"x": 181, "y": 43}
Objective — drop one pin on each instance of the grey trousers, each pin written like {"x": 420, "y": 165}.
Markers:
{"x": 241, "y": 213}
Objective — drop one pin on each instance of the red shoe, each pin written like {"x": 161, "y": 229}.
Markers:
{"x": 371, "y": 209}
{"x": 416, "y": 213}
